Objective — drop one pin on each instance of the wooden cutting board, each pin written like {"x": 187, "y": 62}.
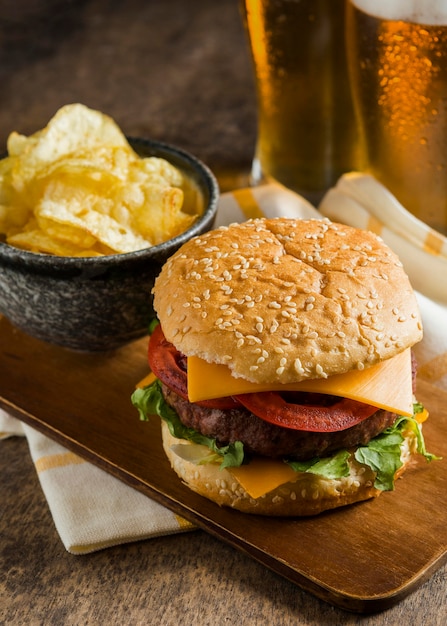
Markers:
{"x": 361, "y": 558}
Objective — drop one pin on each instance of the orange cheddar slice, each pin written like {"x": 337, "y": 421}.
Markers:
{"x": 147, "y": 380}
{"x": 387, "y": 385}
{"x": 262, "y": 475}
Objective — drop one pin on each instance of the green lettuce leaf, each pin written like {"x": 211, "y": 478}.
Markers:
{"x": 335, "y": 466}
{"x": 150, "y": 401}
{"x": 382, "y": 453}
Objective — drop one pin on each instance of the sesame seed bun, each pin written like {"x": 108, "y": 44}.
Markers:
{"x": 282, "y": 300}
{"x": 308, "y": 495}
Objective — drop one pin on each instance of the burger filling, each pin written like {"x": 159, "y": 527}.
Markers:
{"x": 312, "y": 432}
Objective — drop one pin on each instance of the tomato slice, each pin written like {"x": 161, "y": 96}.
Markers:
{"x": 165, "y": 362}
{"x": 169, "y": 365}
{"x": 271, "y": 407}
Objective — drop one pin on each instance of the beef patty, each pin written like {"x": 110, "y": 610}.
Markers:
{"x": 260, "y": 437}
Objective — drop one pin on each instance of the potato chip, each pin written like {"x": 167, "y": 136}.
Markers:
{"x": 164, "y": 217}
{"x": 65, "y": 233}
{"x": 39, "y": 241}
{"x": 77, "y": 188}
{"x": 156, "y": 168}
{"x": 103, "y": 227}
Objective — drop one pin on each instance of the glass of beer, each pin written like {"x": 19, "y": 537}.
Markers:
{"x": 307, "y": 135}
{"x": 397, "y": 53}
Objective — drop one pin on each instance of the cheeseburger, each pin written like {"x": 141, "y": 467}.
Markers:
{"x": 282, "y": 366}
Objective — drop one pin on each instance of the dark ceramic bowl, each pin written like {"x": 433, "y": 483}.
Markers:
{"x": 96, "y": 303}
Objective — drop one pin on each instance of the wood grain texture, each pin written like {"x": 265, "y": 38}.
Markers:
{"x": 191, "y": 578}
{"x": 362, "y": 558}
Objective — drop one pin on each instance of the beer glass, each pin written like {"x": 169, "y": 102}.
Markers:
{"x": 306, "y": 131}
{"x": 397, "y": 53}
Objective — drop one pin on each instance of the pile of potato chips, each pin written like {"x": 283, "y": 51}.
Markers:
{"x": 77, "y": 188}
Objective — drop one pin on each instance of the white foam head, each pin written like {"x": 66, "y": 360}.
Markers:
{"x": 419, "y": 11}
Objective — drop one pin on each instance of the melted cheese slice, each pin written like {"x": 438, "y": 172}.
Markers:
{"x": 261, "y": 475}
{"x": 387, "y": 385}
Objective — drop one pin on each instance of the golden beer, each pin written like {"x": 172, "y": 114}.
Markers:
{"x": 399, "y": 77}
{"x": 306, "y": 130}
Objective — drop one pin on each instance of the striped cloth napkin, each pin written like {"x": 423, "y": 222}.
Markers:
{"x": 93, "y": 510}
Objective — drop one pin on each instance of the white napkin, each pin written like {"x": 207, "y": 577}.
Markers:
{"x": 93, "y": 510}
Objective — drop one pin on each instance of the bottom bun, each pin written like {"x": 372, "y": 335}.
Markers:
{"x": 308, "y": 495}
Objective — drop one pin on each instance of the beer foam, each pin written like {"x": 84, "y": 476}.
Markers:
{"x": 429, "y": 12}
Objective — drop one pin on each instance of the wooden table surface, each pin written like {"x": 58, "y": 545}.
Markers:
{"x": 176, "y": 71}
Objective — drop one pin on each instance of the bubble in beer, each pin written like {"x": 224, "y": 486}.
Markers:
{"x": 398, "y": 68}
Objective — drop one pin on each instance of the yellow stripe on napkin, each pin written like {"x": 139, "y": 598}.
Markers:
{"x": 57, "y": 460}
{"x": 247, "y": 203}
{"x": 433, "y": 242}
{"x": 374, "y": 225}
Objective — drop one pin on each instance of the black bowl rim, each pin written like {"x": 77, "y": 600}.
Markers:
{"x": 36, "y": 259}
